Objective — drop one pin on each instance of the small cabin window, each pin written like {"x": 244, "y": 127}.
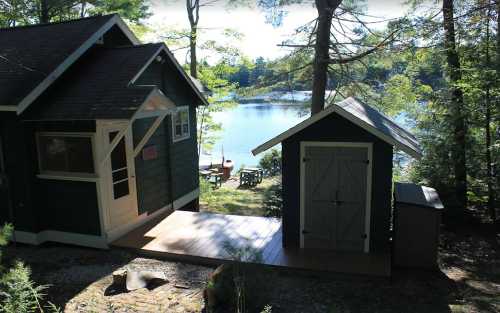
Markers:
{"x": 65, "y": 153}
{"x": 180, "y": 123}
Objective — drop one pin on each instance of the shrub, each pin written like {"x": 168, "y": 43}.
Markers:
{"x": 271, "y": 162}
{"x": 18, "y": 293}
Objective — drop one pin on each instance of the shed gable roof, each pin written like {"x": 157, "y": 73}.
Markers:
{"x": 363, "y": 116}
{"x": 33, "y": 57}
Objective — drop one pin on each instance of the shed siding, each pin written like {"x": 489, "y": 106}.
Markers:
{"x": 153, "y": 190}
{"x": 334, "y": 128}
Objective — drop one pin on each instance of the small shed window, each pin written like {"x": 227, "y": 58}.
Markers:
{"x": 65, "y": 153}
{"x": 180, "y": 123}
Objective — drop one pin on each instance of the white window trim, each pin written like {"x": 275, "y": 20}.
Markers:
{"x": 185, "y": 136}
{"x": 369, "y": 147}
{"x": 61, "y": 175}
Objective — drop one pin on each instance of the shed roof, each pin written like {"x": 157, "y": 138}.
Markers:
{"x": 97, "y": 86}
{"x": 418, "y": 195}
{"x": 363, "y": 116}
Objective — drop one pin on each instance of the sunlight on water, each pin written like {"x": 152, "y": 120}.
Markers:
{"x": 249, "y": 125}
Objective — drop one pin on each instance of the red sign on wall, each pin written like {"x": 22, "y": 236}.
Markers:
{"x": 150, "y": 153}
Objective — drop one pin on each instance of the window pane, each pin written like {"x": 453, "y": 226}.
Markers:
{"x": 120, "y": 189}
{"x": 52, "y": 154}
{"x": 178, "y": 130}
{"x": 118, "y": 156}
{"x": 80, "y": 157}
{"x": 66, "y": 154}
{"x": 120, "y": 175}
{"x": 185, "y": 128}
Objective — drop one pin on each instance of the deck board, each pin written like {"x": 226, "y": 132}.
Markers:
{"x": 203, "y": 237}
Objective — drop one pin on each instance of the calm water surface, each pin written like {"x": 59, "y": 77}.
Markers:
{"x": 248, "y": 125}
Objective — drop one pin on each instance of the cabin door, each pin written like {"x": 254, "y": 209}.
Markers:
{"x": 335, "y": 196}
{"x": 120, "y": 179}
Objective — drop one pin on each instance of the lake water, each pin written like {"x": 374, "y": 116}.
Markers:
{"x": 246, "y": 126}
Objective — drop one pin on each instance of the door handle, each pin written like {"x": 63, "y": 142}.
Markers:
{"x": 305, "y": 232}
{"x": 364, "y": 236}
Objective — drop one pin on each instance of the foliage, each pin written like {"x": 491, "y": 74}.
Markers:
{"x": 23, "y": 12}
{"x": 18, "y": 293}
{"x": 271, "y": 162}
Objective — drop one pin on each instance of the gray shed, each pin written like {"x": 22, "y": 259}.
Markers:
{"x": 417, "y": 217}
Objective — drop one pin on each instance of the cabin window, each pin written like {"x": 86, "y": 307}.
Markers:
{"x": 180, "y": 123}
{"x": 65, "y": 153}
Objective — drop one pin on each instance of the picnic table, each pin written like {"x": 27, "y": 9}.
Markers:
{"x": 251, "y": 176}
{"x": 212, "y": 176}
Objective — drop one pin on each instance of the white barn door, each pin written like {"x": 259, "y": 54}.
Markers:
{"x": 335, "y": 196}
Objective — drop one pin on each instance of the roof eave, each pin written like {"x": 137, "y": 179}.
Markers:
{"x": 164, "y": 48}
{"x": 339, "y": 110}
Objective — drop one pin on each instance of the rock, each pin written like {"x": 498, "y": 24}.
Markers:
{"x": 143, "y": 279}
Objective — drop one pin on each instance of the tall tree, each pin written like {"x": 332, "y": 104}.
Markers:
{"x": 456, "y": 105}
{"x": 487, "y": 122}
{"x": 325, "y": 10}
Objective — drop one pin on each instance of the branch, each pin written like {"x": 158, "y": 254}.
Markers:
{"x": 341, "y": 60}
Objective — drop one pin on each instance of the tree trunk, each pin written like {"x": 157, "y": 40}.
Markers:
{"x": 44, "y": 11}
{"x": 456, "y": 106}
{"x": 193, "y": 64}
{"x": 487, "y": 103}
{"x": 321, "y": 52}
{"x": 193, "y": 11}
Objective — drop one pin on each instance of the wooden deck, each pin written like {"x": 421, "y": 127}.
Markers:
{"x": 202, "y": 237}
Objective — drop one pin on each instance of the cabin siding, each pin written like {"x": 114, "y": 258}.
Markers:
{"x": 334, "y": 128}
{"x": 183, "y": 154}
{"x": 184, "y": 159}
{"x": 152, "y": 176}
{"x": 63, "y": 205}
{"x": 19, "y": 171}
{"x": 68, "y": 206}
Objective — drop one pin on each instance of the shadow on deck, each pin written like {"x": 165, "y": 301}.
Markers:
{"x": 201, "y": 237}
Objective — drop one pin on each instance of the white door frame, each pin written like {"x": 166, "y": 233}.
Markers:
{"x": 105, "y": 191}
{"x": 369, "y": 146}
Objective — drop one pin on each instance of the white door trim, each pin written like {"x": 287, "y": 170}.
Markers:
{"x": 105, "y": 189}
{"x": 369, "y": 146}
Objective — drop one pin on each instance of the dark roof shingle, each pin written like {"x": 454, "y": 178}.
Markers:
{"x": 28, "y": 54}
{"x": 97, "y": 86}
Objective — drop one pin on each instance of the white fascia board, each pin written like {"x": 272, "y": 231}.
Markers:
{"x": 8, "y": 108}
{"x": 164, "y": 48}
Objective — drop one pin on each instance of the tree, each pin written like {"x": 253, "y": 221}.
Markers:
{"x": 456, "y": 105}
{"x": 325, "y": 9}
{"x": 21, "y": 12}
{"x": 193, "y": 11}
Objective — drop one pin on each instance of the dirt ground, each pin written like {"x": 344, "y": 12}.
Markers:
{"x": 468, "y": 281}
{"x": 80, "y": 280}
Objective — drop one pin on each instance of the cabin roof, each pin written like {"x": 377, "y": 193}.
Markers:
{"x": 423, "y": 196}
{"x": 33, "y": 57}
{"x": 97, "y": 86}
{"x": 363, "y": 116}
